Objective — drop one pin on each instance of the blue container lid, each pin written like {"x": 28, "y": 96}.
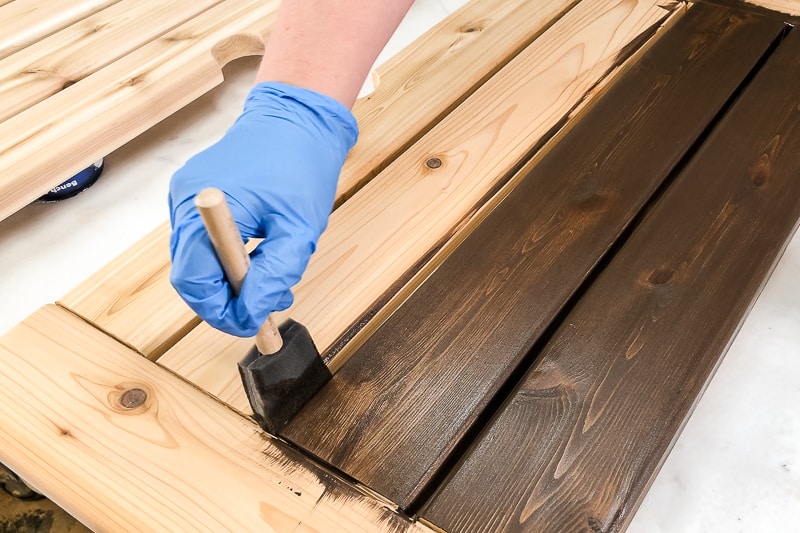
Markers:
{"x": 77, "y": 183}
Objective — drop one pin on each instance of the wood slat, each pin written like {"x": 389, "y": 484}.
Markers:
{"x": 84, "y": 122}
{"x": 120, "y": 291}
{"x": 375, "y": 241}
{"x": 427, "y": 79}
{"x": 64, "y": 58}
{"x": 399, "y": 407}
{"x": 588, "y": 428}
{"x": 27, "y": 21}
{"x": 418, "y": 86}
{"x": 179, "y": 461}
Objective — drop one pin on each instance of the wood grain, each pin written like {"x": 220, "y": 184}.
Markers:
{"x": 588, "y": 428}
{"x": 377, "y": 239}
{"x": 397, "y": 410}
{"x": 64, "y": 58}
{"x": 429, "y": 78}
{"x": 418, "y": 86}
{"x": 89, "y": 119}
{"x": 136, "y": 281}
{"x": 179, "y": 461}
{"x": 27, "y": 21}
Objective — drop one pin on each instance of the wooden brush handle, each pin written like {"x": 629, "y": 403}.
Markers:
{"x": 233, "y": 256}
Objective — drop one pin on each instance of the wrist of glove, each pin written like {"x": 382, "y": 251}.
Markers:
{"x": 278, "y": 166}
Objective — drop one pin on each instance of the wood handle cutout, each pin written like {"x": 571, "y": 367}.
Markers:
{"x": 233, "y": 256}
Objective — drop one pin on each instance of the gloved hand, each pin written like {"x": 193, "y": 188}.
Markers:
{"x": 278, "y": 166}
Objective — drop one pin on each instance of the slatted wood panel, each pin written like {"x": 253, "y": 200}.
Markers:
{"x": 587, "y": 429}
{"x": 57, "y": 61}
{"x": 179, "y": 461}
{"x": 27, "y": 21}
{"x": 417, "y": 87}
{"x": 405, "y": 213}
{"x": 60, "y": 136}
{"x": 418, "y": 384}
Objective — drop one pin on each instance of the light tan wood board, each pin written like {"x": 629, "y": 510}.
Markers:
{"x": 131, "y": 298}
{"x": 27, "y": 21}
{"x": 175, "y": 460}
{"x": 233, "y": 28}
{"x": 66, "y": 57}
{"x": 791, "y": 7}
{"x": 60, "y": 136}
{"x": 408, "y": 210}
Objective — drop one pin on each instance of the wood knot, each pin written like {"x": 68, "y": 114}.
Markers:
{"x": 133, "y": 81}
{"x": 661, "y": 276}
{"x": 761, "y": 171}
{"x": 132, "y": 398}
{"x": 590, "y": 203}
{"x": 473, "y": 27}
{"x": 96, "y": 28}
{"x": 433, "y": 163}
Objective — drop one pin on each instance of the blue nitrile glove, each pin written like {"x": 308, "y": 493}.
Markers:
{"x": 278, "y": 166}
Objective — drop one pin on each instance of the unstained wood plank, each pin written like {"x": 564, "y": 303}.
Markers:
{"x": 60, "y": 136}
{"x": 580, "y": 440}
{"x": 125, "y": 445}
{"x": 64, "y": 58}
{"x": 398, "y": 408}
{"x": 430, "y": 77}
{"x": 27, "y": 21}
{"x": 138, "y": 280}
{"x": 382, "y": 234}
{"x": 791, "y": 7}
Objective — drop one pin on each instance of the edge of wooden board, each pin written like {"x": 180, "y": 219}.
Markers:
{"x": 125, "y": 445}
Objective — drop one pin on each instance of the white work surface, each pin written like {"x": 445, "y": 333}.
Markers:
{"x": 735, "y": 467}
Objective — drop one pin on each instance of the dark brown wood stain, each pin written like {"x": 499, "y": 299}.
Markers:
{"x": 397, "y": 410}
{"x": 578, "y": 443}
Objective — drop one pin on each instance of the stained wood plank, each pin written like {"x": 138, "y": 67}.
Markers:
{"x": 396, "y": 411}
{"x": 379, "y": 236}
{"x": 27, "y": 21}
{"x": 418, "y": 86}
{"x": 179, "y": 461}
{"x": 591, "y": 423}
{"x": 66, "y": 57}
